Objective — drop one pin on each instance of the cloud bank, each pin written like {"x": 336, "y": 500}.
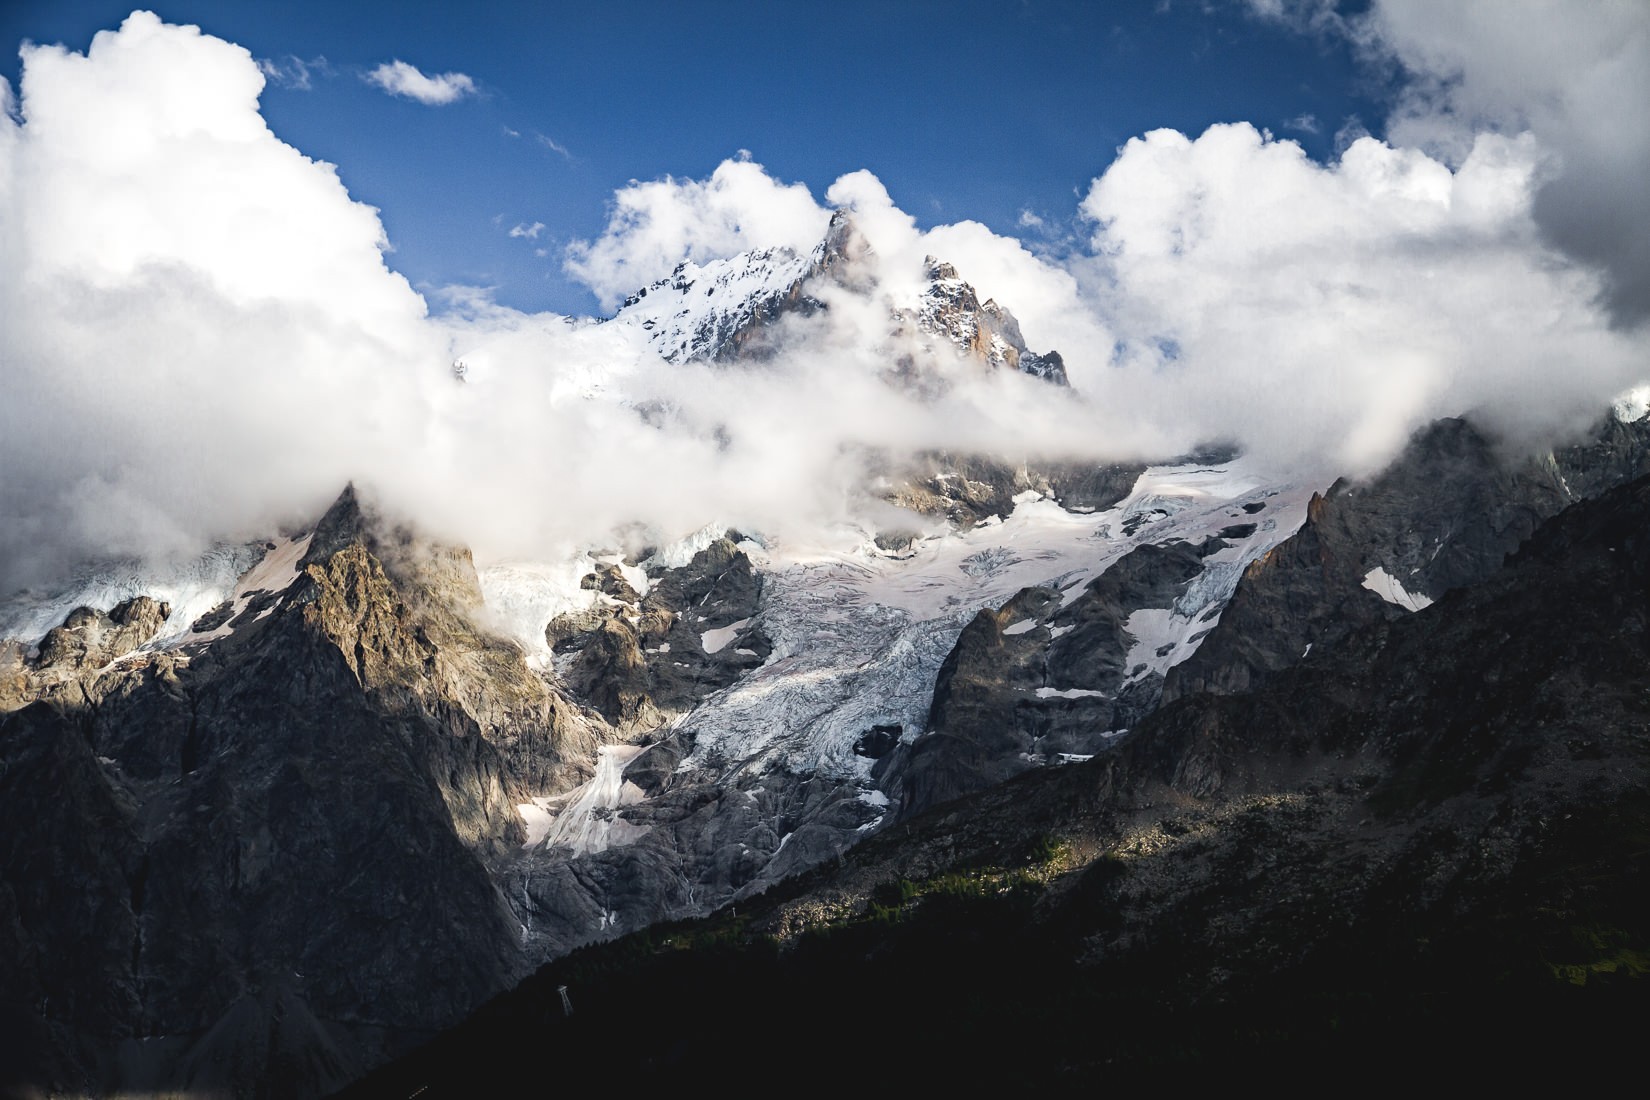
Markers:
{"x": 199, "y": 336}
{"x": 1576, "y": 77}
{"x": 401, "y": 79}
{"x": 196, "y": 323}
{"x": 1326, "y": 311}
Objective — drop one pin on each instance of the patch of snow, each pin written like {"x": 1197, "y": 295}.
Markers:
{"x": 587, "y": 822}
{"x": 1160, "y": 641}
{"x": 1633, "y": 404}
{"x": 1386, "y": 586}
{"x": 756, "y": 551}
{"x": 873, "y": 797}
{"x": 1072, "y": 757}
{"x": 634, "y": 575}
{"x": 688, "y": 314}
{"x": 676, "y": 554}
{"x": 714, "y": 641}
{"x": 1060, "y": 631}
{"x": 274, "y": 572}
{"x": 522, "y": 597}
{"x": 1069, "y": 693}
{"x": 537, "y": 816}
{"x": 1021, "y": 627}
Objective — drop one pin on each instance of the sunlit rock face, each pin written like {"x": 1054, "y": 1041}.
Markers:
{"x": 277, "y": 833}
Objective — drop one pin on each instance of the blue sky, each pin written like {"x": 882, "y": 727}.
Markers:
{"x": 965, "y": 110}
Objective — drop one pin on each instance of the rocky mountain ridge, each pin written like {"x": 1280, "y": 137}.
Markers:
{"x": 1444, "y": 515}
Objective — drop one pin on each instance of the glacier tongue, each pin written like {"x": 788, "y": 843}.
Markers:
{"x": 587, "y": 822}
{"x": 192, "y": 588}
{"x": 859, "y": 635}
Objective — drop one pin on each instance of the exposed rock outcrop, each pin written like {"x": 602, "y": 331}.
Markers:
{"x": 273, "y": 844}
{"x": 1047, "y": 676}
{"x": 642, "y": 660}
{"x": 966, "y": 489}
{"x": 985, "y": 331}
{"x": 80, "y": 650}
{"x": 1445, "y": 514}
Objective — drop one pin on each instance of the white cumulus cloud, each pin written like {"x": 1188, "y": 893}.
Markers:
{"x": 197, "y": 328}
{"x": 1326, "y": 311}
{"x": 654, "y": 226}
{"x": 199, "y": 340}
{"x": 1575, "y": 76}
{"x": 401, "y": 79}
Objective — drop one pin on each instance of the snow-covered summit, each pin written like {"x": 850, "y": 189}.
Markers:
{"x": 707, "y": 311}
{"x": 719, "y": 309}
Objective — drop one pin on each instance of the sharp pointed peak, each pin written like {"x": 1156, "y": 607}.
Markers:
{"x": 344, "y": 522}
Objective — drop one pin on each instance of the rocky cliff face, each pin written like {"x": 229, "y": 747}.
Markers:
{"x": 1045, "y": 679}
{"x": 1444, "y": 515}
{"x": 965, "y": 489}
{"x": 270, "y": 848}
{"x": 643, "y": 660}
{"x": 1048, "y": 676}
{"x": 1427, "y": 839}
{"x": 985, "y": 331}
{"x": 86, "y": 645}
{"x": 336, "y": 813}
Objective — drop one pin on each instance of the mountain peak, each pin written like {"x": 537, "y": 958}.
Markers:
{"x": 984, "y": 331}
{"x": 938, "y": 270}
{"x": 723, "y": 309}
{"x": 343, "y": 523}
{"x": 844, "y": 249}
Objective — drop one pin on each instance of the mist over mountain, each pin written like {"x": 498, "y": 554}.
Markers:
{"x": 203, "y": 339}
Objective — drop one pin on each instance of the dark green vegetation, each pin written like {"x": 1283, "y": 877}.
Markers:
{"x": 1424, "y": 847}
